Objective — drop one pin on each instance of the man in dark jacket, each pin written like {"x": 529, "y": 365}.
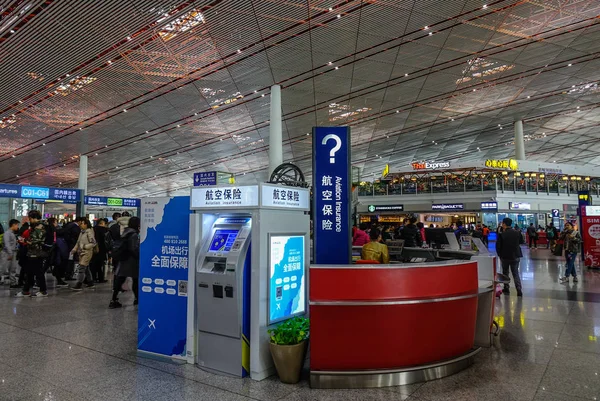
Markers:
{"x": 70, "y": 233}
{"x": 508, "y": 248}
{"x": 411, "y": 235}
{"x": 532, "y": 235}
{"x": 99, "y": 259}
{"x": 128, "y": 254}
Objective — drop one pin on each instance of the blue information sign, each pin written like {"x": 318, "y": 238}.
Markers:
{"x": 332, "y": 195}
{"x": 205, "y": 179}
{"x": 106, "y": 201}
{"x": 67, "y": 195}
{"x": 164, "y": 261}
{"x": 286, "y": 277}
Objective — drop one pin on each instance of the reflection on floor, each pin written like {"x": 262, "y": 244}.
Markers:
{"x": 70, "y": 346}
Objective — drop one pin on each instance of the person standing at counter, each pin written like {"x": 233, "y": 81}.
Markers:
{"x": 375, "y": 250}
{"x": 360, "y": 236}
{"x": 411, "y": 235}
{"x": 508, "y": 248}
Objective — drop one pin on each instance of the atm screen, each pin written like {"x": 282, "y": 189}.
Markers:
{"x": 223, "y": 240}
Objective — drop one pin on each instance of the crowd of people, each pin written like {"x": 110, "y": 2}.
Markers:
{"x": 72, "y": 251}
{"x": 510, "y": 238}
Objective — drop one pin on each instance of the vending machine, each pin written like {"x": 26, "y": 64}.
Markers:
{"x": 248, "y": 257}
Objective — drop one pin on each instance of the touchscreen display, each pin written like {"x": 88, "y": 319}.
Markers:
{"x": 223, "y": 240}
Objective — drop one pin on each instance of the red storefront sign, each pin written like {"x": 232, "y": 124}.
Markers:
{"x": 590, "y": 233}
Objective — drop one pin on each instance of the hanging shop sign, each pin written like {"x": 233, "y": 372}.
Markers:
{"x": 385, "y": 208}
{"x": 555, "y": 213}
{"x": 489, "y": 205}
{"x": 332, "y": 188}
{"x": 223, "y": 196}
{"x": 448, "y": 206}
{"x": 510, "y": 164}
{"x": 42, "y": 193}
{"x": 519, "y": 206}
{"x": 429, "y": 165}
{"x": 386, "y": 171}
{"x": 584, "y": 198}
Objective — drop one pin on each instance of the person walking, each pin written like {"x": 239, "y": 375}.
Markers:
{"x": 85, "y": 249}
{"x": 8, "y": 255}
{"x": 551, "y": 235}
{"x": 128, "y": 255}
{"x": 508, "y": 248}
{"x": 486, "y": 235}
{"x": 99, "y": 259}
{"x": 36, "y": 253}
{"x": 532, "y": 235}
{"x": 571, "y": 245}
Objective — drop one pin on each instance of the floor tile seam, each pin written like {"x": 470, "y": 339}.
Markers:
{"x": 544, "y": 374}
{"x": 57, "y": 385}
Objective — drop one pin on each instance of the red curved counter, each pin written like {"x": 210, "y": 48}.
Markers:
{"x": 385, "y": 317}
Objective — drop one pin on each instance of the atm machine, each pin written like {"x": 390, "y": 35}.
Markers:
{"x": 236, "y": 236}
{"x": 222, "y": 276}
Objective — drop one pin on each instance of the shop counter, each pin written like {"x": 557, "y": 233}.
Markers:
{"x": 380, "y": 325}
{"x": 541, "y": 240}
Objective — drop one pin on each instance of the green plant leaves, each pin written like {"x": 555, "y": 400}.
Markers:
{"x": 291, "y": 332}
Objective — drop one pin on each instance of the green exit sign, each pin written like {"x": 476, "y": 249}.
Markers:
{"x": 114, "y": 202}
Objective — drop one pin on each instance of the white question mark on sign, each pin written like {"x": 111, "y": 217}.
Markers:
{"x": 338, "y": 145}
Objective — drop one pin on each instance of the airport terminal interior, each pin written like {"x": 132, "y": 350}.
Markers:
{"x": 299, "y": 200}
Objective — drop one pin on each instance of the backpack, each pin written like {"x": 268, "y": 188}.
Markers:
{"x": 550, "y": 234}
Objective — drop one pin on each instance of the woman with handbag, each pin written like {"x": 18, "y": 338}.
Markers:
{"x": 86, "y": 247}
{"x": 571, "y": 245}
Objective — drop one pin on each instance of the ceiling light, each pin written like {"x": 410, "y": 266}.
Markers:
{"x": 20, "y": 101}
{"x": 569, "y": 65}
{"x": 67, "y": 75}
{"x": 60, "y": 183}
{"x": 109, "y": 62}
{"x": 397, "y": 111}
{"x": 96, "y": 154}
{"x": 263, "y": 95}
{"x": 577, "y": 107}
{"x": 528, "y": 97}
{"x": 239, "y": 51}
{"x": 474, "y": 90}
{"x": 116, "y": 166}
{"x": 451, "y": 119}
{"x": 80, "y": 129}
{"x": 406, "y": 74}
{"x": 14, "y": 156}
{"x": 128, "y": 37}
{"x": 426, "y": 27}
{"x": 124, "y": 110}
{"x": 151, "y": 157}
{"x": 430, "y": 33}
{"x": 500, "y": 127}
{"x": 43, "y": 144}
{"x": 308, "y": 133}
{"x": 17, "y": 175}
{"x": 106, "y": 146}
{"x": 146, "y": 132}
{"x": 484, "y": 6}
{"x": 331, "y": 62}
{"x": 37, "y": 173}
{"x": 178, "y": 125}
{"x": 339, "y": 16}
{"x": 337, "y": 68}
{"x": 330, "y": 8}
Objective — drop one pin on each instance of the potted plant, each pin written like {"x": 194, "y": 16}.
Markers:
{"x": 288, "y": 345}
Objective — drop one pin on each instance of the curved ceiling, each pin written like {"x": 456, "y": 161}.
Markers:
{"x": 153, "y": 91}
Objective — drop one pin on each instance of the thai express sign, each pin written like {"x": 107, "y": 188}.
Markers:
{"x": 510, "y": 164}
{"x": 430, "y": 165}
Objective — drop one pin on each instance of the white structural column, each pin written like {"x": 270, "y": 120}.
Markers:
{"x": 275, "y": 132}
{"x": 519, "y": 141}
{"x": 82, "y": 183}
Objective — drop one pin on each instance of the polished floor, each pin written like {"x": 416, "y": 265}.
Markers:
{"x": 71, "y": 347}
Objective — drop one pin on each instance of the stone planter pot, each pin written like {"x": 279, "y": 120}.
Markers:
{"x": 289, "y": 360}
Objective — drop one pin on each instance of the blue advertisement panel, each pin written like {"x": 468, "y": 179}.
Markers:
{"x": 164, "y": 252}
{"x": 286, "y": 277}
{"x": 205, "y": 179}
{"x": 332, "y": 188}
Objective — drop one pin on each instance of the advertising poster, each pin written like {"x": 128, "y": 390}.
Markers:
{"x": 164, "y": 251}
{"x": 590, "y": 233}
{"x": 332, "y": 243}
{"x": 286, "y": 277}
